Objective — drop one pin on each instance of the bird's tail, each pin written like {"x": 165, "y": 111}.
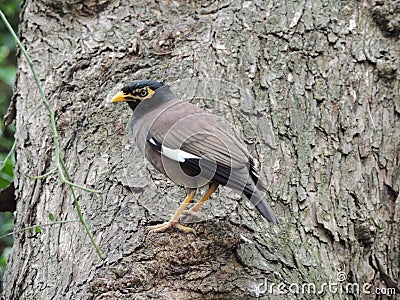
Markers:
{"x": 257, "y": 198}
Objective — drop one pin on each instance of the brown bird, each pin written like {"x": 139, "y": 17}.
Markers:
{"x": 189, "y": 146}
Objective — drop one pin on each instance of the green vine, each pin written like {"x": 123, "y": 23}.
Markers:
{"x": 61, "y": 168}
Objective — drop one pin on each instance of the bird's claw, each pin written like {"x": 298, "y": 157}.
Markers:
{"x": 164, "y": 226}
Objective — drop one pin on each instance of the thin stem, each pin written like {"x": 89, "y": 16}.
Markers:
{"x": 80, "y": 187}
{"x": 78, "y": 210}
{"x": 3, "y": 163}
{"x": 42, "y": 176}
{"x": 4, "y": 19}
{"x": 41, "y": 225}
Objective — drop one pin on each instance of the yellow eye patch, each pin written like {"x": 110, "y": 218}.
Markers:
{"x": 143, "y": 93}
{"x": 137, "y": 94}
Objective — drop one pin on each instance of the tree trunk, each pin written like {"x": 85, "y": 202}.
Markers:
{"x": 312, "y": 88}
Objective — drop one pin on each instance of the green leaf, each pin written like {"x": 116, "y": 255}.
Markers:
{"x": 7, "y": 74}
{"x": 6, "y": 173}
{"x": 51, "y": 217}
{"x": 37, "y": 229}
{"x": 6, "y": 142}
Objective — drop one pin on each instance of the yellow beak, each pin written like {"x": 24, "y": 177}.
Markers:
{"x": 120, "y": 97}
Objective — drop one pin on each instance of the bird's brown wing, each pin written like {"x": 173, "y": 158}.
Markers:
{"x": 186, "y": 127}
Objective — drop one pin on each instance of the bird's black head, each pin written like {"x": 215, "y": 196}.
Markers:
{"x": 136, "y": 91}
{"x": 139, "y": 87}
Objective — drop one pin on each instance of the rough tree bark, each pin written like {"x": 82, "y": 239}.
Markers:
{"x": 311, "y": 86}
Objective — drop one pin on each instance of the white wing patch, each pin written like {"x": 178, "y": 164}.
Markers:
{"x": 176, "y": 154}
{"x": 152, "y": 141}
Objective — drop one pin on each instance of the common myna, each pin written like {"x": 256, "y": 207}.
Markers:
{"x": 189, "y": 146}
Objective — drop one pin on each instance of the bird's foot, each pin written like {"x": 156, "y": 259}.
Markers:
{"x": 164, "y": 226}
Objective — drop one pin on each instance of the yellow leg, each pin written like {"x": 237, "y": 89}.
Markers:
{"x": 174, "y": 220}
{"x": 211, "y": 189}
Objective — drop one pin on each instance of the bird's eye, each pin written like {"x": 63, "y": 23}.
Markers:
{"x": 143, "y": 93}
